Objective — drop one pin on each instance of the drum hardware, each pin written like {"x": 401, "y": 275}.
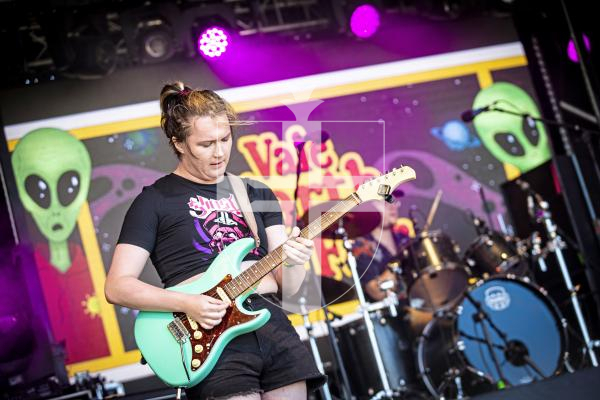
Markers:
{"x": 516, "y": 352}
{"x": 391, "y": 299}
{"x": 387, "y": 390}
{"x": 539, "y": 209}
{"x": 505, "y": 331}
{"x": 479, "y": 225}
{"x": 479, "y": 317}
{"x": 538, "y": 252}
{"x": 313, "y": 345}
{"x": 329, "y": 290}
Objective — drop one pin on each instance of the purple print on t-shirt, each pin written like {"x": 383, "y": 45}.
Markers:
{"x": 218, "y": 223}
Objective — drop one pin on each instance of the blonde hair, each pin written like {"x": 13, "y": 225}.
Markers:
{"x": 179, "y": 104}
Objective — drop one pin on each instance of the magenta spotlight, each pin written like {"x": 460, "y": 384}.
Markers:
{"x": 571, "y": 49}
{"x": 213, "y": 42}
{"x": 364, "y": 21}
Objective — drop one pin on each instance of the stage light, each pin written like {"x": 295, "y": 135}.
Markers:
{"x": 152, "y": 32}
{"x": 213, "y": 42}
{"x": 156, "y": 42}
{"x": 364, "y": 21}
{"x": 571, "y": 49}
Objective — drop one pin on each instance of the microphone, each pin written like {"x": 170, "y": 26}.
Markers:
{"x": 470, "y": 115}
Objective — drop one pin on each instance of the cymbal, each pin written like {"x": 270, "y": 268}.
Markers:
{"x": 358, "y": 222}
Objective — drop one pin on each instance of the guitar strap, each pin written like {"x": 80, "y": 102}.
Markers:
{"x": 241, "y": 194}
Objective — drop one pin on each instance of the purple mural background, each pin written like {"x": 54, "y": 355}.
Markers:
{"x": 416, "y": 119}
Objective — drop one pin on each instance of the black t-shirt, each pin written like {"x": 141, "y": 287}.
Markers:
{"x": 185, "y": 225}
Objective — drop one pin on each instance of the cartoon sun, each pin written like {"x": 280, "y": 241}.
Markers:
{"x": 91, "y": 305}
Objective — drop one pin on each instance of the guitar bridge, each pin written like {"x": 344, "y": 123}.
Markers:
{"x": 178, "y": 330}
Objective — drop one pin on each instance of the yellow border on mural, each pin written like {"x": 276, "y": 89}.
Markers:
{"x": 120, "y": 357}
{"x": 98, "y": 275}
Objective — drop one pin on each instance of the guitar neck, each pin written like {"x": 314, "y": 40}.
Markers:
{"x": 268, "y": 263}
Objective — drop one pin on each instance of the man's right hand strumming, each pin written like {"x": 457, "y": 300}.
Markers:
{"x": 206, "y": 310}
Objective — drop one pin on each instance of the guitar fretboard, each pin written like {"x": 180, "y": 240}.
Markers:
{"x": 256, "y": 272}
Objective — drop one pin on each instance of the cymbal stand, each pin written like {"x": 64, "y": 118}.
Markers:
{"x": 387, "y": 390}
{"x": 541, "y": 211}
{"x": 313, "y": 346}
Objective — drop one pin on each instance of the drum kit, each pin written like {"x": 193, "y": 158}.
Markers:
{"x": 470, "y": 324}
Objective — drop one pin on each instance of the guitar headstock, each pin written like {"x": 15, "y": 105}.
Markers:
{"x": 382, "y": 186}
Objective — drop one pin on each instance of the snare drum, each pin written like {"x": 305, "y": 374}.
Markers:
{"x": 433, "y": 271}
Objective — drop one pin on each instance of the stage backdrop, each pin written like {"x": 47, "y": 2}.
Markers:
{"x": 78, "y": 174}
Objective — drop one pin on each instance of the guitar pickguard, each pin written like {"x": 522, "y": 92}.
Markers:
{"x": 203, "y": 340}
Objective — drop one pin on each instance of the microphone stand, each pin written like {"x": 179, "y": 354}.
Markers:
{"x": 514, "y": 352}
{"x": 585, "y": 132}
{"x": 546, "y": 121}
{"x": 326, "y": 393}
{"x": 556, "y": 244}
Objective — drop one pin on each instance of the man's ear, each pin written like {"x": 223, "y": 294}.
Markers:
{"x": 180, "y": 146}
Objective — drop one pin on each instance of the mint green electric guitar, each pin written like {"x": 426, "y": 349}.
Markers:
{"x": 182, "y": 353}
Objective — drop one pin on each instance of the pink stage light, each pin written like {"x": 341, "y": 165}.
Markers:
{"x": 571, "y": 49}
{"x": 213, "y": 42}
{"x": 364, "y": 21}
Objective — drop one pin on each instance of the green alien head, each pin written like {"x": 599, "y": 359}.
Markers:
{"x": 52, "y": 170}
{"x": 519, "y": 141}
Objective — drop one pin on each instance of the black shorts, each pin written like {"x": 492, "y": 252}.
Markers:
{"x": 260, "y": 361}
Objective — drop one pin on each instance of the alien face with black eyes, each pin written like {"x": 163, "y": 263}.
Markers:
{"x": 519, "y": 141}
{"x": 52, "y": 170}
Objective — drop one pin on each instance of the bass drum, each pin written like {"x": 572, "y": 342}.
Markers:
{"x": 455, "y": 360}
{"x": 394, "y": 341}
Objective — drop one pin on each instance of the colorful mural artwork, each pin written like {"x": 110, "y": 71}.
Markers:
{"x": 455, "y": 134}
{"x": 324, "y": 175}
{"x": 521, "y": 142}
{"x": 52, "y": 170}
{"x": 371, "y": 126}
